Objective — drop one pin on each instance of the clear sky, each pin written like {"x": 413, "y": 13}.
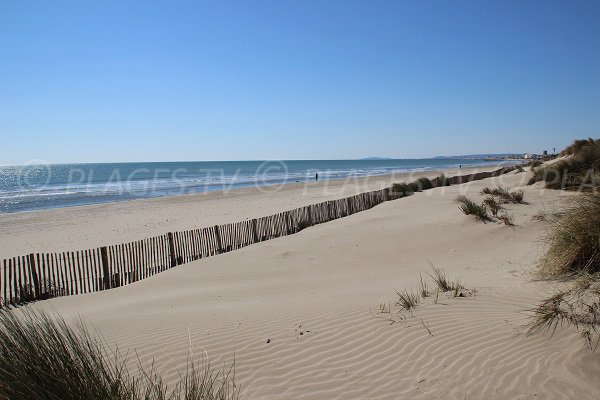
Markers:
{"x": 94, "y": 81}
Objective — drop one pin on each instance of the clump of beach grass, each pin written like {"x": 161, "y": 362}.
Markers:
{"x": 578, "y": 306}
{"x": 516, "y": 197}
{"x": 469, "y": 207}
{"x": 442, "y": 282}
{"x": 407, "y": 300}
{"x": 493, "y": 205}
{"x": 42, "y": 357}
{"x": 497, "y": 191}
{"x": 505, "y": 194}
{"x": 573, "y": 239}
{"x": 506, "y": 219}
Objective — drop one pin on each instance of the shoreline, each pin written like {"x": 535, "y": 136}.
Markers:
{"x": 89, "y": 226}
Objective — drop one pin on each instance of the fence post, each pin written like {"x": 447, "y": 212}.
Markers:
{"x": 218, "y": 236}
{"x": 34, "y": 275}
{"x": 254, "y": 231}
{"x": 105, "y": 268}
{"x": 172, "y": 249}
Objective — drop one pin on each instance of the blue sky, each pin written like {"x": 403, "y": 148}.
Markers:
{"x": 94, "y": 81}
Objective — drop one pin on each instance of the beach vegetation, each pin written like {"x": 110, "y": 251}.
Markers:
{"x": 534, "y": 164}
{"x": 506, "y": 219}
{"x": 441, "y": 280}
{"x": 579, "y": 170}
{"x": 469, "y": 207}
{"x": 494, "y": 206}
{"x": 505, "y": 194}
{"x": 573, "y": 239}
{"x": 43, "y": 357}
{"x": 407, "y": 300}
{"x": 578, "y": 306}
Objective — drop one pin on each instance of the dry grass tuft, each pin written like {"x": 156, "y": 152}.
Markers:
{"x": 578, "y": 306}
{"x": 506, "y": 219}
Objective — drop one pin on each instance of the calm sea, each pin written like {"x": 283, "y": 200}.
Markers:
{"x": 36, "y": 187}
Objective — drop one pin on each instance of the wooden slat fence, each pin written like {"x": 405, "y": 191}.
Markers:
{"x": 40, "y": 276}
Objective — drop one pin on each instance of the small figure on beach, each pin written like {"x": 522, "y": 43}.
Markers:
{"x": 459, "y": 166}
{"x": 317, "y": 177}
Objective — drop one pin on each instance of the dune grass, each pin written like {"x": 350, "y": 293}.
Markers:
{"x": 494, "y": 206}
{"x": 42, "y": 357}
{"x": 579, "y": 171}
{"x": 442, "y": 282}
{"x": 505, "y": 194}
{"x": 497, "y": 191}
{"x": 573, "y": 239}
{"x": 469, "y": 207}
{"x": 535, "y": 163}
{"x": 407, "y": 300}
{"x": 506, "y": 219}
{"x": 578, "y": 306}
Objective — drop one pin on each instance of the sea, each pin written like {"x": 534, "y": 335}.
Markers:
{"x": 43, "y": 186}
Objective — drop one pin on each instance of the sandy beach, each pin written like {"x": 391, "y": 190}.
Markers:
{"x": 82, "y": 227}
{"x": 301, "y": 315}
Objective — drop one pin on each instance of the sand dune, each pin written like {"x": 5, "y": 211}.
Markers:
{"x": 315, "y": 297}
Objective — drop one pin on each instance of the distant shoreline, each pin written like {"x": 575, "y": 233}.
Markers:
{"x": 60, "y": 186}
